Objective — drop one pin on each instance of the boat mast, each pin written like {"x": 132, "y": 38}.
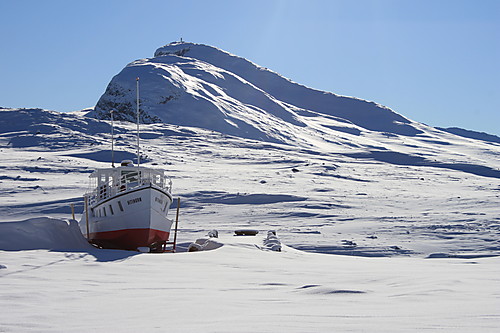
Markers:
{"x": 137, "y": 91}
{"x": 112, "y": 142}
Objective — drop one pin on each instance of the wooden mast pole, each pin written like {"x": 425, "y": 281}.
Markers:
{"x": 176, "y": 223}
{"x": 87, "y": 216}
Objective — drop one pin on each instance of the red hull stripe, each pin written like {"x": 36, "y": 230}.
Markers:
{"x": 129, "y": 239}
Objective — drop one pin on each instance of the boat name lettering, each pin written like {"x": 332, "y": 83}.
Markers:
{"x": 159, "y": 200}
{"x": 133, "y": 201}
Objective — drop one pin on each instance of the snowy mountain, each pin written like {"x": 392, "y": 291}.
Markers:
{"x": 262, "y": 148}
{"x": 198, "y": 85}
{"x": 247, "y": 148}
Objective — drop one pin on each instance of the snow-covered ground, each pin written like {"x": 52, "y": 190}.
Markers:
{"x": 317, "y": 201}
{"x": 386, "y": 224}
{"x": 343, "y": 201}
{"x": 241, "y": 288}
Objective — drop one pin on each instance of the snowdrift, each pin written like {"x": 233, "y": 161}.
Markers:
{"x": 42, "y": 233}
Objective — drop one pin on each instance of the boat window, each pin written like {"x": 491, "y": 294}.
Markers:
{"x": 111, "y": 210}
{"x": 129, "y": 176}
{"x": 104, "y": 210}
{"x": 120, "y": 205}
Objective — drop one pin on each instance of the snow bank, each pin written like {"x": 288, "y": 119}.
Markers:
{"x": 204, "y": 244}
{"x": 42, "y": 233}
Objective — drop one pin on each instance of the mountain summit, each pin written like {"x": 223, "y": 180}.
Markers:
{"x": 199, "y": 85}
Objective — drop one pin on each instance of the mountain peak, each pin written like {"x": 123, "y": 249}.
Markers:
{"x": 179, "y": 48}
{"x": 199, "y": 85}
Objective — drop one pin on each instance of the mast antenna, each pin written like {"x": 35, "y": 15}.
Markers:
{"x": 112, "y": 141}
{"x": 137, "y": 90}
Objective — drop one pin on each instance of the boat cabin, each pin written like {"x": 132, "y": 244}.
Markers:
{"x": 105, "y": 183}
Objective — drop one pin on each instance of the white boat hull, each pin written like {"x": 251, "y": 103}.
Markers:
{"x": 130, "y": 219}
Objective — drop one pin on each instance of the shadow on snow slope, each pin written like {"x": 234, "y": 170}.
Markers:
{"x": 411, "y": 160}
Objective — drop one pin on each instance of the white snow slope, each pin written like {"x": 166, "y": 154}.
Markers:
{"x": 388, "y": 227}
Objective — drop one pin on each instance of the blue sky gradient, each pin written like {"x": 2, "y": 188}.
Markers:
{"x": 436, "y": 62}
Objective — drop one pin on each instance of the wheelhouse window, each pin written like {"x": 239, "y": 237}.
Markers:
{"x": 130, "y": 176}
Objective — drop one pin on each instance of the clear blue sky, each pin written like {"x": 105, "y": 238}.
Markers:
{"x": 434, "y": 61}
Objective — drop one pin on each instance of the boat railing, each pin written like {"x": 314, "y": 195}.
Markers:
{"x": 128, "y": 182}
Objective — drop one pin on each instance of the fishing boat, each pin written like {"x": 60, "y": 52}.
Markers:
{"x": 126, "y": 207}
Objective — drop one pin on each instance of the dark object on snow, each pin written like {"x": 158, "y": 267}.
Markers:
{"x": 295, "y": 170}
{"x": 194, "y": 247}
{"x": 213, "y": 234}
{"x": 349, "y": 243}
{"x": 246, "y": 232}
